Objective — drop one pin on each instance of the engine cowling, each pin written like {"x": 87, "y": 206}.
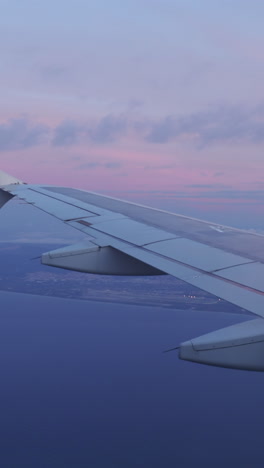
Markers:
{"x": 239, "y": 346}
{"x": 104, "y": 260}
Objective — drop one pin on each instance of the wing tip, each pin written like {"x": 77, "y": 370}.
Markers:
{"x": 6, "y": 179}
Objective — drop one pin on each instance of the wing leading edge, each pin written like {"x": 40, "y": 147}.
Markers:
{"x": 125, "y": 238}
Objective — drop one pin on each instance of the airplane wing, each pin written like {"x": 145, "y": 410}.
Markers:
{"x": 123, "y": 238}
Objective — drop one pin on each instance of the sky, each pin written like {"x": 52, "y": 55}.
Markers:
{"x": 158, "y": 101}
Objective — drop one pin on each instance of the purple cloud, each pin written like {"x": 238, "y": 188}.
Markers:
{"x": 20, "y": 133}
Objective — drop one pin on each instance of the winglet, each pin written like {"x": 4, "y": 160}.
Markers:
{"x": 6, "y": 179}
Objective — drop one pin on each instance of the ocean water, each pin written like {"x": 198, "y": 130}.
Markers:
{"x": 86, "y": 384}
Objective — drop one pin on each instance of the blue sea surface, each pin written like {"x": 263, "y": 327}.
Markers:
{"x": 86, "y": 384}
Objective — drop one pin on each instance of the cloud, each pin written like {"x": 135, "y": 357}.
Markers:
{"x": 67, "y": 133}
{"x": 218, "y": 125}
{"x": 89, "y": 165}
{"x": 54, "y": 72}
{"x": 95, "y": 164}
{"x": 108, "y": 129}
{"x": 164, "y": 130}
{"x": 235, "y": 194}
{"x": 225, "y": 194}
{"x": 75, "y": 158}
{"x": 104, "y": 130}
{"x": 20, "y": 134}
{"x": 159, "y": 167}
{"x": 208, "y": 186}
{"x": 112, "y": 165}
{"x": 258, "y": 183}
{"x": 135, "y": 104}
{"x": 222, "y": 124}
{"x": 256, "y": 196}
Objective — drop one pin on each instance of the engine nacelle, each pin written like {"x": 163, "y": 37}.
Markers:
{"x": 240, "y": 346}
{"x": 90, "y": 258}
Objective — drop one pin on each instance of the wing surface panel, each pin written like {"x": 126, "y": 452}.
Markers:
{"x": 250, "y": 275}
{"x": 232, "y": 240}
{"x": 132, "y": 231}
{"x": 251, "y": 300}
{"x": 196, "y": 254}
{"x": 57, "y": 208}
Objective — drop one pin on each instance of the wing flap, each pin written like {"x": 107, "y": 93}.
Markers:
{"x": 198, "y": 255}
{"x": 251, "y": 300}
{"x": 250, "y": 275}
{"x": 132, "y": 231}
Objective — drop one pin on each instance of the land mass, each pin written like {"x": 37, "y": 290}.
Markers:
{"x": 22, "y": 271}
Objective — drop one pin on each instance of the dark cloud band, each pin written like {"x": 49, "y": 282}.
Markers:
{"x": 220, "y": 125}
